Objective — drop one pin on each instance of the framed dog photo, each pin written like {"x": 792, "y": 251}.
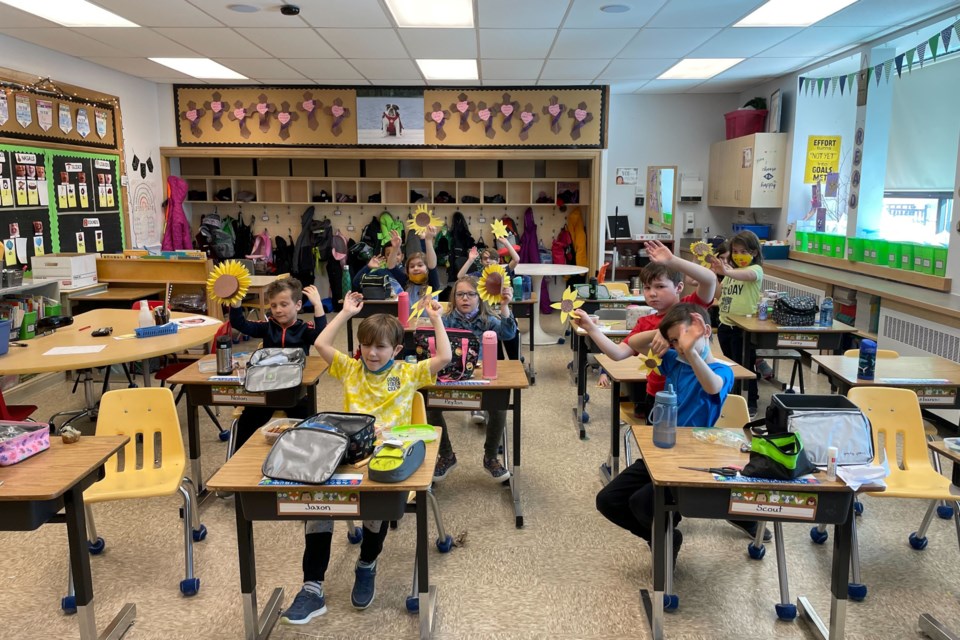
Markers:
{"x": 390, "y": 117}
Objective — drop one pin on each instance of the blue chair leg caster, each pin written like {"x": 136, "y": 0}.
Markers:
{"x": 190, "y": 586}
{"x": 413, "y": 604}
{"x": 857, "y": 591}
{"x": 944, "y": 512}
{"x": 224, "y": 436}
{"x": 68, "y": 604}
{"x": 444, "y": 545}
{"x": 355, "y": 536}
{"x": 917, "y": 542}
{"x": 584, "y": 417}
{"x": 756, "y": 553}
{"x": 819, "y": 537}
{"x": 96, "y": 548}
{"x": 858, "y": 507}
{"x": 786, "y": 611}
{"x": 671, "y": 602}
{"x": 200, "y": 534}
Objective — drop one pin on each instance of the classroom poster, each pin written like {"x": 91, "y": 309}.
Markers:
{"x": 823, "y": 158}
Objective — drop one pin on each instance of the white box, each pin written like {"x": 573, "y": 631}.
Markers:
{"x": 73, "y": 270}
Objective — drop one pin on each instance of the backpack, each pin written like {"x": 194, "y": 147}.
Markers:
{"x": 322, "y": 233}
{"x": 460, "y": 248}
{"x": 375, "y": 285}
{"x": 371, "y": 235}
{"x": 242, "y": 237}
{"x": 441, "y": 246}
{"x": 511, "y": 228}
{"x": 283, "y": 254}
{"x": 213, "y": 239}
{"x": 465, "y": 347}
{"x": 562, "y": 249}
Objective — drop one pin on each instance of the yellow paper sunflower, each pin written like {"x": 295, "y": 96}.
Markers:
{"x": 420, "y": 306}
{"x": 491, "y": 283}
{"x": 650, "y": 363}
{"x": 499, "y": 229}
{"x": 567, "y": 304}
{"x": 702, "y": 251}
{"x": 228, "y": 282}
{"x": 423, "y": 218}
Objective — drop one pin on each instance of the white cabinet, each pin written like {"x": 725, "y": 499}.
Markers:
{"x": 748, "y": 171}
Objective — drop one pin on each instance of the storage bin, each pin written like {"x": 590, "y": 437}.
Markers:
{"x": 855, "y": 249}
{"x": 826, "y": 244}
{"x": 813, "y": 245}
{"x": 775, "y": 251}
{"x": 939, "y": 263}
{"x": 881, "y": 253}
{"x": 923, "y": 259}
{"x": 893, "y": 254}
{"x": 906, "y": 256}
{"x": 839, "y": 247}
{"x": 28, "y": 328}
{"x": 4, "y": 337}
{"x": 52, "y": 310}
{"x": 761, "y": 230}
{"x": 800, "y": 242}
{"x": 744, "y": 122}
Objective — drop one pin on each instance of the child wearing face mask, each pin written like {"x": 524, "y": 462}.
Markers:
{"x": 486, "y": 257}
{"x": 421, "y": 268}
{"x": 740, "y": 292}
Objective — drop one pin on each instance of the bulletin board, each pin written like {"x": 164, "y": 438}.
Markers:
{"x": 54, "y": 117}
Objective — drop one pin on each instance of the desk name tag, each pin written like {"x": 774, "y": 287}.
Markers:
{"x": 808, "y": 340}
{"x": 454, "y": 399}
{"x": 771, "y": 503}
{"x": 946, "y": 396}
{"x": 228, "y": 394}
{"x": 318, "y": 503}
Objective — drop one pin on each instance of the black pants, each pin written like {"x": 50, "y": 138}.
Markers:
{"x": 731, "y": 343}
{"x": 628, "y": 501}
{"x": 316, "y": 550}
{"x": 511, "y": 347}
{"x": 253, "y": 418}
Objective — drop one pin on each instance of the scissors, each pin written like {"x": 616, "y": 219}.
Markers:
{"x": 728, "y": 472}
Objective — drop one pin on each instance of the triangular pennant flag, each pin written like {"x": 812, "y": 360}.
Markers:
{"x": 945, "y": 36}
{"x": 899, "y": 62}
{"x": 819, "y": 86}
{"x": 833, "y": 82}
{"x": 886, "y": 70}
{"x": 956, "y": 27}
{"x": 911, "y": 53}
{"x": 850, "y": 78}
{"x": 921, "y": 52}
{"x": 876, "y": 73}
{"x": 801, "y": 84}
{"x": 843, "y": 83}
{"x": 934, "y": 42}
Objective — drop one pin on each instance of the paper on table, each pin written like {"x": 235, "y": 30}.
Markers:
{"x": 69, "y": 351}
{"x": 857, "y": 475}
{"x": 195, "y": 321}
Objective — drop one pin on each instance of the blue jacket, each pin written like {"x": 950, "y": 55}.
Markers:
{"x": 300, "y": 334}
{"x": 505, "y": 328}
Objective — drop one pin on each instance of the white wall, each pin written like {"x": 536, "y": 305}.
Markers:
{"x": 139, "y": 110}
{"x": 654, "y": 130}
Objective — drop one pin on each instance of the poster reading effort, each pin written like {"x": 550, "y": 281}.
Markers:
{"x": 823, "y": 157}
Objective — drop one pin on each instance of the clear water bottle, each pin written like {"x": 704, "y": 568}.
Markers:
{"x": 826, "y": 312}
{"x": 866, "y": 367}
{"x": 664, "y": 418}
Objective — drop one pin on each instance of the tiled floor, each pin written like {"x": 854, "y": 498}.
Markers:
{"x": 567, "y": 574}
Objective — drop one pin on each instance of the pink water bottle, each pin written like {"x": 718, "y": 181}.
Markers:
{"x": 403, "y": 308}
{"x": 489, "y": 355}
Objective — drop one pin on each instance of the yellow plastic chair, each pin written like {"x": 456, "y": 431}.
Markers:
{"x": 734, "y": 413}
{"x": 622, "y": 287}
{"x": 881, "y": 353}
{"x": 148, "y": 416}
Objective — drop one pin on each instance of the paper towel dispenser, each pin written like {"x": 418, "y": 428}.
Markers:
{"x": 691, "y": 190}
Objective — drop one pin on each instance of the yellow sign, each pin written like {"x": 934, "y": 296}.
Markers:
{"x": 823, "y": 157}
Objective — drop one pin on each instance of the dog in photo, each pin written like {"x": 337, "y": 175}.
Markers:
{"x": 390, "y": 123}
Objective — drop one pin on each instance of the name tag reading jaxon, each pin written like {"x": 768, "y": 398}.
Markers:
{"x": 773, "y": 504}
{"x": 313, "y": 502}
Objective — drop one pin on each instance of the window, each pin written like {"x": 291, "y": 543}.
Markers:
{"x": 917, "y": 216}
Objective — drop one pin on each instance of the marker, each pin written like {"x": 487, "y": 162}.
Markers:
{"x": 83, "y": 328}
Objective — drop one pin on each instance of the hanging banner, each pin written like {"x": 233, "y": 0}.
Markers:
{"x": 45, "y": 114}
{"x": 823, "y": 157}
{"x": 4, "y": 109}
{"x": 65, "y": 118}
{"x": 83, "y": 123}
{"x": 101, "y": 118}
{"x": 24, "y": 112}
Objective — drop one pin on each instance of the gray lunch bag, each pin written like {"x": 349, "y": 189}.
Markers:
{"x": 306, "y": 455}
{"x": 274, "y": 369}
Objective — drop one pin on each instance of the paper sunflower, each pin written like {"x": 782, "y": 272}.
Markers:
{"x": 499, "y": 229}
{"x": 423, "y": 218}
{"x": 567, "y": 303}
{"x": 491, "y": 283}
{"x": 420, "y": 306}
{"x": 702, "y": 251}
{"x": 650, "y": 363}
{"x": 228, "y": 282}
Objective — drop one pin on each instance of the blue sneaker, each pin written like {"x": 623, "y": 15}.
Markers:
{"x": 365, "y": 586}
{"x": 306, "y": 606}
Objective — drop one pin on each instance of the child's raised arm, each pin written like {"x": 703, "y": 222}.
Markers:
{"x": 429, "y": 235}
{"x": 706, "y": 280}
{"x": 689, "y": 336}
{"x": 613, "y": 350}
{"x": 471, "y": 258}
{"x": 394, "y": 254}
{"x": 352, "y": 303}
{"x": 744, "y": 274}
{"x": 444, "y": 353}
{"x": 514, "y": 258}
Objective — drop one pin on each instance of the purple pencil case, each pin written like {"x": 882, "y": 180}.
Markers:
{"x": 20, "y": 440}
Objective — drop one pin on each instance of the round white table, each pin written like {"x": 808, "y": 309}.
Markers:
{"x": 537, "y": 272}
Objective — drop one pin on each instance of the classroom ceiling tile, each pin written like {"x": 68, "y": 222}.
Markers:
{"x": 385, "y": 67}
{"x": 562, "y": 70}
{"x": 268, "y": 16}
{"x": 365, "y": 43}
{"x": 764, "y": 67}
{"x": 259, "y": 67}
{"x": 668, "y": 86}
{"x": 139, "y": 67}
{"x": 324, "y": 70}
{"x": 563, "y": 83}
{"x": 65, "y": 41}
{"x": 507, "y": 82}
{"x": 586, "y": 14}
{"x": 168, "y": 13}
{"x": 511, "y": 69}
{"x": 397, "y": 82}
{"x": 516, "y": 43}
{"x": 703, "y": 13}
{"x": 818, "y": 41}
{"x": 743, "y": 43}
{"x": 628, "y": 87}
{"x": 511, "y": 14}
{"x": 283, "y": 81}
{"x": 885, "y": 13}
{"x": 290, "y": 43}
{"x": 144, "y": 43}
{"x": 214, "y": 43}
{"x": 642, "y": 69}
{"x": 591, "y": 43}
{"x": 347, "y": 14}
{"x": 725, "y": 86}
{"x": 12, "y": 18}
{"x": 666, "y": 43}
{"x": 440, "y": 43}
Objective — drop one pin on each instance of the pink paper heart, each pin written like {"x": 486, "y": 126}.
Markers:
{"x": 192, "y": 115}
{"x": 506, "y": 109}
{"x": 554, "y": 109}
{"x": 240, "y": 113}
{"x": 336, "y": 110}
{"x": 579, "y": 114}
{"x": 437, "y": 116}
{"x": 283, "y": 117}
{"x": 217, "y": 106}
{"x": 262, "y": 107}
{"x": 463, "y": 106}
{"x": 309, "y": 105}
{"x": 527, "y": 117}
{"x": 484, "y": 114}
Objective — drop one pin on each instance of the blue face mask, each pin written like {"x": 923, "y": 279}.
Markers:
{"x": 380, "y": 370}
{"x": 470, "y": 315}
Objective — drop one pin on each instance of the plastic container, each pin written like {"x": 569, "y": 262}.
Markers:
{"x": 403, "y": 308}
{"x": 826, "y": 312}
{"x": 744, "y": 122}
{"x": 867, "y": 365}
{"x": 800, "y": 242}
{"x": 663, "y": 417}
{"x": 762, "y": 231}
{"x": 940, "y": 261}
{"x": 906, "y": 256}
{"x": 28, "y": 328}
{"x": 923, "y": 259}
{"x": 893, "y": 254}
{"x": 826, "y": 244}
{"x": 52, "y": 310}
{"x": 839, "y": 247}
{"x": 787, "y": 403}
{"x": 855, "y": 249}
{"x": 880, "y": 252}
{"x": 5, "y": 337}
{"x": 813, "y": 245}
{"x": 775, "y": 251}
{"x": 144, "y": 316}
{"x": 489, "y": 355}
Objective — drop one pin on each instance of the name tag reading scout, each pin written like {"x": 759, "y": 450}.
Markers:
{"x": 771, "y": 503}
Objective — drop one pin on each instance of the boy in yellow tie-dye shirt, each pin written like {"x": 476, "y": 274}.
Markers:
{"x": 380, "y": 386}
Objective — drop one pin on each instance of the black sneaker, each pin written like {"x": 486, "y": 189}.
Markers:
{"x": 677, "y": 542}
{"x": 749, "y": 527}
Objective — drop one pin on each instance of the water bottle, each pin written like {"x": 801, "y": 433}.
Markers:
{"x": 664, "y": 418}
{"x": 403, "y": 308}
{"x": 826, "y": 312}
{"x": 762, "y": 309}
{"x": 145, "y": 317}
{"x": 224, "y": 356}
{"x": 592, "y": 288}
{"x": 517, "y": 288}
{"x": 868, "y": 360}
{"x": 489, "y": 355}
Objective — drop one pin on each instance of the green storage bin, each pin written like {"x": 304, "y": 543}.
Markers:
{"x": 906, "y": 256}
{"x": 801, "y": 241}
{"x": 923, "y": 253}
{"x": 839, "y": 247}
{"x": 881, "y": 253}
{"x": 870, "y": 250}
{"x": 940, "y": 261}
{"x": 893, "y": 254}
{"x": 855, "y": 249}
{"x": 52, "y": 310}
{"x": 826, "y": 244}
{"x": 814, "y": 245}
{"x": 28, "y": 328}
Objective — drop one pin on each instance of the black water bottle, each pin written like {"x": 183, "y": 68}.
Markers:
{"x": 592, "y": 288}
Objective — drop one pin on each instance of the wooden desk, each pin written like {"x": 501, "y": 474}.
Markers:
{"x": 170, "y": 274}
{"x": 617, "y": 331}
{"x": 934, "y": 379}
{"x": 524, "y": 309}
{"x": 698, "y": 495}
{"x": 377, "y": 501}
{"x": 490, "y": 397}
{"x": 628, "y": 371}
{"x": 33, "y": 493}
{"x": 591, "y": 306}
{"x": 116, "y": 297}
{"x": 202, "y": 392}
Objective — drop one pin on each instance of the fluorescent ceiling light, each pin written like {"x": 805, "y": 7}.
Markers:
{"x": 793, "y": 13}
{"x": 698, "y": 68}
{"x": 450, "y": 14}
{"x": 203, "y": 68}
{"x": 449, "y": 69}
{"x": 71, "y": 13}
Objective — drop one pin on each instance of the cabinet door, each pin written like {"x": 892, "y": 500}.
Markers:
{"x": 730, "y": 187}
{"x": 766, "y": 181}
{"x": 715, "y": 175}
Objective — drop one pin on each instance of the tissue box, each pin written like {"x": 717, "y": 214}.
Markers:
{"x": 73, "y": 270}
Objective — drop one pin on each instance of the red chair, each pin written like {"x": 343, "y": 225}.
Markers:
{"x": 16, "y": 412}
